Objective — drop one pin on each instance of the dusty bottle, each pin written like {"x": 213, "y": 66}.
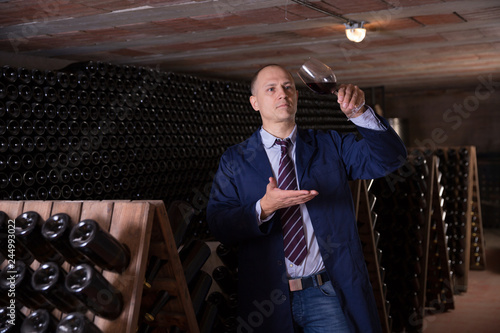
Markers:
{"x": 76, "y": 322}
{"x": 49, "y": 279}
{"x": 99, "y": 246}
{"x": 95, "y": 291}
{"x": 28, "y": 233}
{"x": 56, "y": 230}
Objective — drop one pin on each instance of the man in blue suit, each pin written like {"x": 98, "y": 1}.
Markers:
{"x": 315, "y": 280}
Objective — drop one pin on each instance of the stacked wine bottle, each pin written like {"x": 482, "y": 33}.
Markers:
{"x": 401, "y": 221}
{"x": 454, "y": 166}
{"x": 52, "y": 242}
{"x": 193, "y": 253}
{"x": 366, "y": 222}
{"x": 100, "y": 131}
{"x": 225, "y": 297}
{"x": 440, "y": 276}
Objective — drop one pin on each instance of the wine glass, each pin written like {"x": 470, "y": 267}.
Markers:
{"x": 320, "y": 78}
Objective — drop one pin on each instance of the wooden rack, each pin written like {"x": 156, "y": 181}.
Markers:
{"x": 426, "y": 243}
{"x": 474, "y": 216}
{"x": 366, "y": 221}
{"x": 424, "y": 248}
{"x": 131, "y": 222}
{"x": 439, "y": 287}
{"x": 474, "y": 254}
{"x": 437, "y": 282}
{"x": 179, "y": 310}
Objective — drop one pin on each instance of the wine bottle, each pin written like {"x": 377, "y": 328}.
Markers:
{"x": 95, "y": 291}
{"x": 37, "y": 76}
{"x": 39, "y": 321}
{"x": 193, "y": 256}
{"x": 13, "y": 127}
{"x": 208, "y": 318}
{"x": 225, "y": 279}
{"x": 76, "y": 322}
{"x": 83, "y": 81}
{"x": 12, "y": 92}
{"x": 161, "y": 300}
{"x": 22, "y": 253}
{"x": 180, "y": 214}
{"x": 7, "y": 324}
{"x": 37, "y": 94}
{"x": 15, "y": 144}
{"x": 24, "y": 75}
{"x": 199, "y": 290}
{"x": 154, "y": 266}
{"x": 63, "y": 79}
{"x": 56, "y": 230}
{"x": 25, "y": 92}
{"x": 99, "y": 246}
{"x": 228, "y": 256}
{"x": 50, "y": 94}
{"x": 50, "y": 77}
{"x": 26, "y": 111}
{"x": 20, "y": 276}
{"x": 27, "y": 161}
{"x": 232, "y": 303}
{"x": 49, "y": 280}
{"x": 28, "y": 233}
{"x": 27, "y": 144}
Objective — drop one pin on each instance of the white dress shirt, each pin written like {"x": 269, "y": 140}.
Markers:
{"x": 313, "y": 263}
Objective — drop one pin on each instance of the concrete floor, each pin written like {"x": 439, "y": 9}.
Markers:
{"x": 478, "y": 309}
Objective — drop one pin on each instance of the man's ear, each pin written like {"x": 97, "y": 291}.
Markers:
{"x": 254, "y": 103}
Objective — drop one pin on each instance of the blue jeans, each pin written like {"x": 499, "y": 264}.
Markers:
{"x": 317, "y": 310}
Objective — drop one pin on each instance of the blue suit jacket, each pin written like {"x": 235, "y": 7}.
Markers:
{"x": 325, "y": 161}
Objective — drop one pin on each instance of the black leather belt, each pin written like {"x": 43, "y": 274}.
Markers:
{"x": 308, "y": 281}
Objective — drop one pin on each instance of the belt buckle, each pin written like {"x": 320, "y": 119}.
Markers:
{"x": 295, "y": 284}
{"x": 320, "y": 279}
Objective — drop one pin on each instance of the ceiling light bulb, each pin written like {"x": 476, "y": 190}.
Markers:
{"x": 355, "y": 31}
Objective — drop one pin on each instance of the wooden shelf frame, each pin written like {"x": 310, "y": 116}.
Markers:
{"x": 477, "y": 255}
{"x": 439, "y": 291}
{"x": 437, "y": 285}
{"x": 364, "y": 202}
{"x": 178, "y": 311}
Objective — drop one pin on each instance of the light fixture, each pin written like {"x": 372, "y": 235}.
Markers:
{"x": 355, "y": 31}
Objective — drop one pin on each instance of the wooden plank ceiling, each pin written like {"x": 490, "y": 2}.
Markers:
{"x": 410, "y": 44}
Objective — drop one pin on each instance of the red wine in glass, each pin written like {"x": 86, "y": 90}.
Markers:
{"x": 320, "y": 78}
{"x": 323, "y": 88}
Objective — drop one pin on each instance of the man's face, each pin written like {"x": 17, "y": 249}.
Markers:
{"x": 275, "y": 96}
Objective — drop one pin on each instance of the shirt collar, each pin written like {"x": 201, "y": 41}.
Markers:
{"x": 268, "y": 139}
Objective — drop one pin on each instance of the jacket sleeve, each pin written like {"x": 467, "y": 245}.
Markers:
{"x": 377, "y": 154}
{"x": 231, "y": 220}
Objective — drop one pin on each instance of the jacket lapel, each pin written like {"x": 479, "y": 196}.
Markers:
{"x": 304, "y": 152}
{"x": 256, "y": 155}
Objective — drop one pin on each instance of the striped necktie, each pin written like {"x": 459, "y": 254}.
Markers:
{"x": 291, "y": 219}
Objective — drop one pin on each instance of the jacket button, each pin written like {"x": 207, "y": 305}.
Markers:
{"x": 280, "y": 262}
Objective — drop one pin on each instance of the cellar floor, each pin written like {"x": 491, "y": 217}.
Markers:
{"x": 478, "y": 309}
